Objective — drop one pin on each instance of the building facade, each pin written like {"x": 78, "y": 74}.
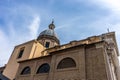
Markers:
{"x": 93, "y": 58}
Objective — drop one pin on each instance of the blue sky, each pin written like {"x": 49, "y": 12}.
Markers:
{"x": 23, "y": 20}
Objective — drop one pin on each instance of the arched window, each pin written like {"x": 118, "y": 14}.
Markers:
{"x": 47, "y": 44}
{"x": 21, "y": 53}
{"x": 44, "y": 68}
{"x": 26, "y": 70}
{"x": 66, "y": 63}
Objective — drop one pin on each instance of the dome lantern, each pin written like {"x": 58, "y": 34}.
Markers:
{"x": 52, "y": 26}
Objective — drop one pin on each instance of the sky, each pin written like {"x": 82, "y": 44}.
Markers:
{"x": 23, "y": 20}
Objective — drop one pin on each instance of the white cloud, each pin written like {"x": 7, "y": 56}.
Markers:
{"x": 34, "y": 26}
{"x": 112, "y": 20}
{"x": 2, "y": 36}
{"x": 113, "y": 5}
{"x": 4, "y": 50}
{"x": 9, "y": 41}
{"x": 24, "y": 20}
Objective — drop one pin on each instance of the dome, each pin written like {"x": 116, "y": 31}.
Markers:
{"x": 49, "y": 33}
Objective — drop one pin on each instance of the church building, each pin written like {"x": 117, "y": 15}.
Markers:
{"x": 93, "y": 58}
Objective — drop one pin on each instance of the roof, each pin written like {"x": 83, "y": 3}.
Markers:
{"x": 84, "y": 42}
{"x": 49, "y": 32}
